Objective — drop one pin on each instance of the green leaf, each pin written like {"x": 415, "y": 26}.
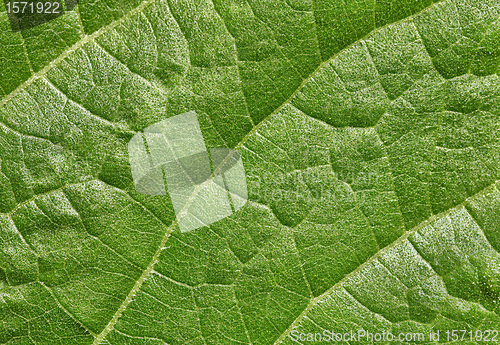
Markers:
{"x": 370, "y": 136}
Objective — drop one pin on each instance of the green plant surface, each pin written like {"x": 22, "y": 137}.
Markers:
{"x": 370, "y": 136}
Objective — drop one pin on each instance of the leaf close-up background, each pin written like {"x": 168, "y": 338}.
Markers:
{"x": 369, "y": 131}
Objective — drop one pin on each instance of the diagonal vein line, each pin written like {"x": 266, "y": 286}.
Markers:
{"x": 155, "y": 258}
{"x": 394, "y": 244}
{"x": 110, "y": 326}
{"x": 86, "y": 39}
{"x": 65, "y": 310}
{"x": 319, "y": 68}
{"x": 137, "y": 286}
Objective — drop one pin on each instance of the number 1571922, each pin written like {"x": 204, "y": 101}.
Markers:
{"x": 33, "y": 7}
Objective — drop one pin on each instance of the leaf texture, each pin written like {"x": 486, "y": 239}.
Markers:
{"x": 370, "y": 136}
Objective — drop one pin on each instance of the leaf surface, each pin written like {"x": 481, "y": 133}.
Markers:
{"x": 369, "y": 132}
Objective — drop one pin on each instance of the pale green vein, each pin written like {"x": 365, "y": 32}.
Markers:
{"x": 381, "y": 252}
{"x": 137, "y": 286}
{"x": 86, "y": 39}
